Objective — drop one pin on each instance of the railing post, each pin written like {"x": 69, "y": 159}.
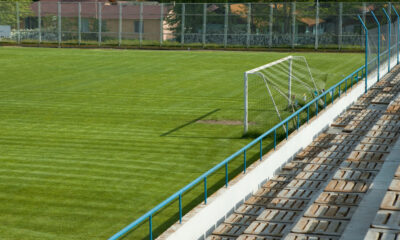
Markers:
{"x": 59, "y": 23}
{"x": 379, "y": 44}
{"x": 261, "y": 152}
{"x": 150, "y": 227}
{"x": 271, "y": 18}
{"x": 17, "y": 18}
{"x": 308, "y": 113}
{"x": 180, "y": 208}
{"x": 287, "y": 130}
{"x": 366, "y": 53}
{"x": 275, "y": 139}
{"x": 398, "y": 33}
{"x": 99, "y": 24}
{"x": 293, "y": 24}
{"x": 183, "y": 25}
{"x": 161, "y": 23}
{"x": 205, "y": 190}
{"x": 119, "y": 24}
{"x": 298, "y": 121}
{"x": 40, "y": 21}
{"x": 79, "y": 23}
{"x": 204, "y": 24}
{"x": 226, "y": 174}
{"x": 316, "y": 25}
{"x": 244, "y": 161}
{"x": 390, "y": 35}
{"x": 340, "y": 27}
{"x": 141, "y": 25}
{"x": 226, "y": 25}
{"x": 248, "y": 25}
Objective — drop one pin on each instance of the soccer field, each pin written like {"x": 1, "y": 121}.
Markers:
{"x": 92, "y": 139}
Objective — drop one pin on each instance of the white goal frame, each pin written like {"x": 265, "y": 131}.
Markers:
{"x": 256, "y": 72}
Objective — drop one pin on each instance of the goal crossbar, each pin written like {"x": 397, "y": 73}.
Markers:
{"x": 268, "y": 65}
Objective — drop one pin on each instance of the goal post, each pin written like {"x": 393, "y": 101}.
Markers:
{"x": 276, "y": 87}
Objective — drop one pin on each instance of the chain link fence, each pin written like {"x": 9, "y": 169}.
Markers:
{"x": 324, "y": 25}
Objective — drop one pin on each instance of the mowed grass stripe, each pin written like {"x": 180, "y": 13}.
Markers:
{"x": 92, "y": 139}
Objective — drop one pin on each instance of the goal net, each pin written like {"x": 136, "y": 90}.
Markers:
{"x": 274, "y": 91}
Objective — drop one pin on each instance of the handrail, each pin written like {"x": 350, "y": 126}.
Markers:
{"x": 225, "y": 162}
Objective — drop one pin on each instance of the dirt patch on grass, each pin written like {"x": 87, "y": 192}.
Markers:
{"x": 223, "y": 122}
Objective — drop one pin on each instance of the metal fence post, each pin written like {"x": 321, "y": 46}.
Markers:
{"x": 119, "y": 24}
{"x": 398, "y": 33}
{"x": 364, "y": 13}
{"x": 40, "y": 22}
{"x": 271, "y": 18}
{"x": 59, "y": 23}
{"x": 204, "y": 24}
{"x": 17, "y": 18}
{"x": 379, "y": 44}
{"x": 79, "y": 23}
{"x": 226, "y": 25}
{"x": 99, "y": 22}
{"x": 340, "y": 27}
{"x": 248, "y": 25}
{"x": 293, "y": 24}
{"x": 161, "y": 23}
{"x": 316, "y": 24}
{"x": 183, "y": 25}
{"x": 390, "y": 35}
{"x": 141, "y": 25}
{"x": 366, "y": 55}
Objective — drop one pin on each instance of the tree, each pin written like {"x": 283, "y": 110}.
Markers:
{"x": 8, "y": 11}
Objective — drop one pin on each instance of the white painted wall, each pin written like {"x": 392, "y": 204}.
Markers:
{"x": 199, "y": 222}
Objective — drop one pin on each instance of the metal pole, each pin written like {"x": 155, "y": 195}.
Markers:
{"x": 248, "y": 25}
{"x": 398, "y": 33}
{"x": 366, "y": 54}
{"x": 59, "y": 23}
{"x": 293, "y": 24}
{"x": 316, "y": 25}
{"x": 183, "y": 25}
{"x": 99, "y": 31}
{"x": 204, "y": 23}
{"x": 141, "y": 25}
{"x": 390, "y": 35}
{"x": 226, "y": 25}
{"x": 79, "y": 23}
{"x": 340, "y": 27}
{"x": 271, "y": 18}
{"x": 364, "y": 13}
{"x": 290, "y": 82}
{"x": 161, "y": 23}
{"x": 18, "y": 27}
{"x": 246, "y": 128}
{"x": 379, "y": 43}
{"x": 119, "y": 24}
{"x": 40, "y": 21}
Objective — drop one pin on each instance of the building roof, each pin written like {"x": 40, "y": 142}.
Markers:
{"x": 89, "y": 9}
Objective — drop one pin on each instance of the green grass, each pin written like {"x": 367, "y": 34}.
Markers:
{"x": 92, "y": 139}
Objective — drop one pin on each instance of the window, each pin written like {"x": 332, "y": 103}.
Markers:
{"x": 137, "y": 26}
